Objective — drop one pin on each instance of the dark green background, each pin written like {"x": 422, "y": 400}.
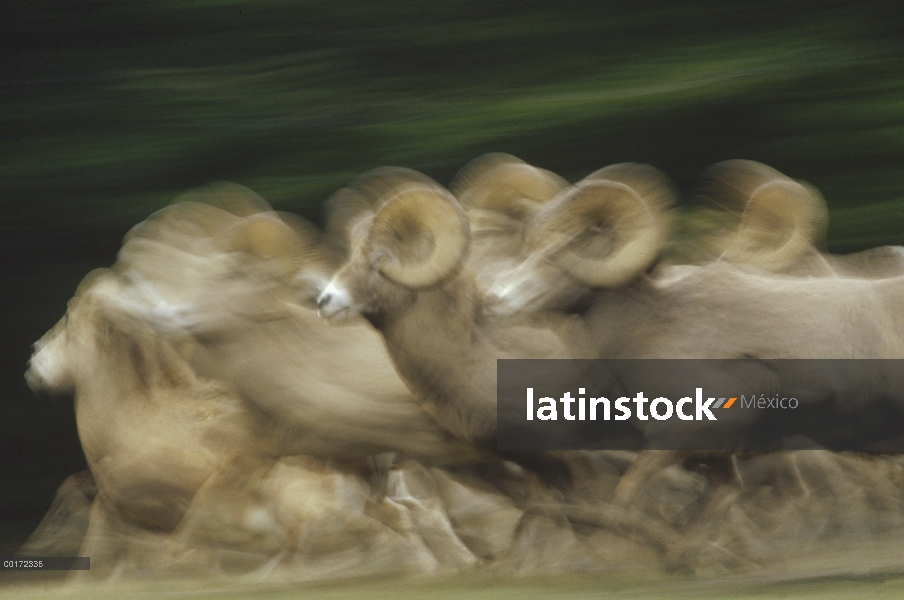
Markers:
{"x": 111, "y": 109}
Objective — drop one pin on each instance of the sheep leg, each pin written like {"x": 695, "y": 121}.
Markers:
{"x": 626, "y": 522}
{"x": 106, "y": 542}
{"x": 644, "y": 468}
{"x": 62, "y": 530}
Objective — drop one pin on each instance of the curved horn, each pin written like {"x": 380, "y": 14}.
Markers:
{"x": 782, "y": 221}
{"x": 729, "y": 184}
{"x": 768, "y": 220}
{"x": 228, "y": 196}
{"x": 268, "y": 237}
{"x": 182, "y": 223}
{"x": 419, "y": 237}
{"x": 650, "y": 183}
{"x": 208, "y": 211}
{"x": 315, "y": 256}
{"x": 91, "y": 279}
{"x": 600, "y": 232}
{"x": 506, "y": 184}
{"x": 361, "y": 198}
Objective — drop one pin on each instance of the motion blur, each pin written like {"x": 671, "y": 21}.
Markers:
{"x": 229, "y": 430}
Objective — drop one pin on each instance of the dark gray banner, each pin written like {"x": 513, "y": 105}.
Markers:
{"x": 744, "y": 404}
{"x": 46, "y": 563}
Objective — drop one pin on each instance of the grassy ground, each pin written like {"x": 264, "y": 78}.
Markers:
{"x": 599, "y": 588}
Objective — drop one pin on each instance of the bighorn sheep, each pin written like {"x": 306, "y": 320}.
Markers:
{"x": 763, "y": 220}
{"x": 499, "y": 192}
{"x": 188, "y": 474}
{"x": 230, "y": 286}
{"x": 601, "y": 235}
{"x": 408, "y": 277}
{"x": 152, "y": 432}
{"x": 596, "y": 240}
{"x": 603, "y": 242}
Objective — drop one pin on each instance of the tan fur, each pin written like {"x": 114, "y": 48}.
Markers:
{"x": 439, "y": 340}
{"x": 332, "y": 392}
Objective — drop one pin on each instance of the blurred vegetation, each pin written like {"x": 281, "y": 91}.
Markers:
{"x": 111, "y": 109}
{"x": 114, "y": 108}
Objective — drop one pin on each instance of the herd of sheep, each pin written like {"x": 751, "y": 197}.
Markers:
{"x": 255, "y": 397}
